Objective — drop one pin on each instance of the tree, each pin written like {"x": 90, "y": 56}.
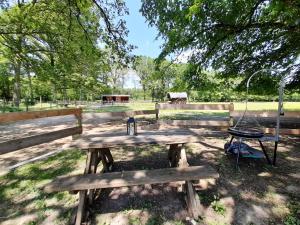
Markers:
{"x": 5, "y": 82}
{"x": 56, "y": 39}
{"x": 236, "y": 38}
{"x": 145, "y": 68}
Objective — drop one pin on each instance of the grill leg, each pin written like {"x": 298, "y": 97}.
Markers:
{"x": 238, "y": 154}
{"x": 264, "y": 150}
{"x": 230, "y": 142}
{"x": 231, "y": 139}
{"x": 275, "y": 153}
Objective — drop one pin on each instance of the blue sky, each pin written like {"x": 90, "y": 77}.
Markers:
{"x": 140, "y": 34}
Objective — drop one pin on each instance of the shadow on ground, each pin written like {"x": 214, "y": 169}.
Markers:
{"x": 255, "y": 194}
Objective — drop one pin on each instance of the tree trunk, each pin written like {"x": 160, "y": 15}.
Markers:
{"x": 30, "y": 87}
{"x": 17, "y": 84}
{"x": 144, "y": 90}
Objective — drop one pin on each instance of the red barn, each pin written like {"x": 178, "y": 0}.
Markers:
{"x": 115, "y": 99}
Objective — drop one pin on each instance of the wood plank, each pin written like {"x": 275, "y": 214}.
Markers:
{"x": 163, "y": 137}
{"x": 18, "y": 116}
{"x": 120, "y": 114}
{"x": 192, "y": 198}
{"x": 270, "y": 113}
{"x": 222, "y": 106}
{"x": 83, "y": 194}
{"x": 144, "y": 112}
{"x": 13, "y": 145}
{"x": 295, "y": 132}
{"x": 183, "y": 158}
{"x": 195, "y": 123}
{"x": 81, "y": 207}
{"x": 130, "y": 178}
{"x": 194, "y": 206}
{"x": 156, "y": 110}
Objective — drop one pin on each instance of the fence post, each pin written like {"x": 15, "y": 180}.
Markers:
{"x": 78, "y": 116}
{"x": 156, "y": 110}
{"x": 231, "y": 109}
{"x": 40, "y": 102}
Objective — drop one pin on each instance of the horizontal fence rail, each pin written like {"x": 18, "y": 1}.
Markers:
{"x": 19, "y": 116}
{"x": 198, "y": 123}
{"x": 285, "y": 131}
{"x": 222, "y": 106}
{"x": 16, "y": 144}
{"x": 127, "y": 113}
{"x": 19, "y": 143}
{"x": 273, "y": 113}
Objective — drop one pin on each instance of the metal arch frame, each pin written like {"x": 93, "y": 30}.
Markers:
{"x": 280, "y": 112}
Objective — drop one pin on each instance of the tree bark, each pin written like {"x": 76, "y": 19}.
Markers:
{"x": 17, "y": 83}
{"x": 144, "y": 89}
{"x": 30, "y": 86}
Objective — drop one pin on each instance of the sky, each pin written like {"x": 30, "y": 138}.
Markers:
{"x": 140, "y": 34}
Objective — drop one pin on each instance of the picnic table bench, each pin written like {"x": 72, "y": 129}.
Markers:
{"x": 98, "y": 148}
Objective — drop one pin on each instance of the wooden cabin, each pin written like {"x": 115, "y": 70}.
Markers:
{"x": 111, "y": 99}
{"x": 177, "y": 97}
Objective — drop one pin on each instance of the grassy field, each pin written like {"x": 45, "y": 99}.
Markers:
{"x": 96, "y": 107}
{"x": 256, "y": 187}
{"x": 289, "y": 106}
{"x": 193, "y": 114}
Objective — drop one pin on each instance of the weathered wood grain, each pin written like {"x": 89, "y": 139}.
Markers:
{"x": 224, "y": 106}
{"x": 295, "y": 132}
{"x": 195, "y": 123}
{"x": 130, "y": 178}
{"x": 271, "y": 113}
{"x": 164, "y": 137}
{"x": 13, "y": 145}
{"x": 120, "y": 114}
{"x": 18, "y": 116}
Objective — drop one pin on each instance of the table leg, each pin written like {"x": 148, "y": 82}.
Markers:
{"x": 93, "y": 170}
{"x": 174, "y": 155}
{"x": 192, "y": 198}
{"x": 82, "y": 194}
{"x": 81, "y": 207}
{"x": 104, "y": 160}
{"x": 109, "y": 158}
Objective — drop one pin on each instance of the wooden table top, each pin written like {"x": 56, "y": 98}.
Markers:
{"x": 164, "y": 137}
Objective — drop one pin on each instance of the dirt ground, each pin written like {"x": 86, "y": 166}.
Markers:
{"x": 257, "y": 193}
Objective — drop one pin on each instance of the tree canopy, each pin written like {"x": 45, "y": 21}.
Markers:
{"x": 66, "y": 43}
{"x": 235, "y": 38}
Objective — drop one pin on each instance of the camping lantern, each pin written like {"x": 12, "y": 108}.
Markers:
{"x": 131, "y": 126}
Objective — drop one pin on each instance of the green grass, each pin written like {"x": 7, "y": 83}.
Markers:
{"x": 125, "y": 107}
{"x": 21, "y": 189}
{"x": 289, "y": 106}
{"x": 195, "y": 114}
{"x": 294, "y": 217}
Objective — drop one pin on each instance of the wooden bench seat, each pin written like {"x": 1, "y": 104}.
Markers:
{"x": 130, "y": 178}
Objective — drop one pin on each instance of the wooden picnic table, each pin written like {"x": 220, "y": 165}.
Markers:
{"x": 98, "y": 148}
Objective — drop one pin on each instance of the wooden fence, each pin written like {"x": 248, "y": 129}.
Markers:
{"x": 207, "y": 122}
{"x": 290, "y": 122}
{"x": 16, "y": 144}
